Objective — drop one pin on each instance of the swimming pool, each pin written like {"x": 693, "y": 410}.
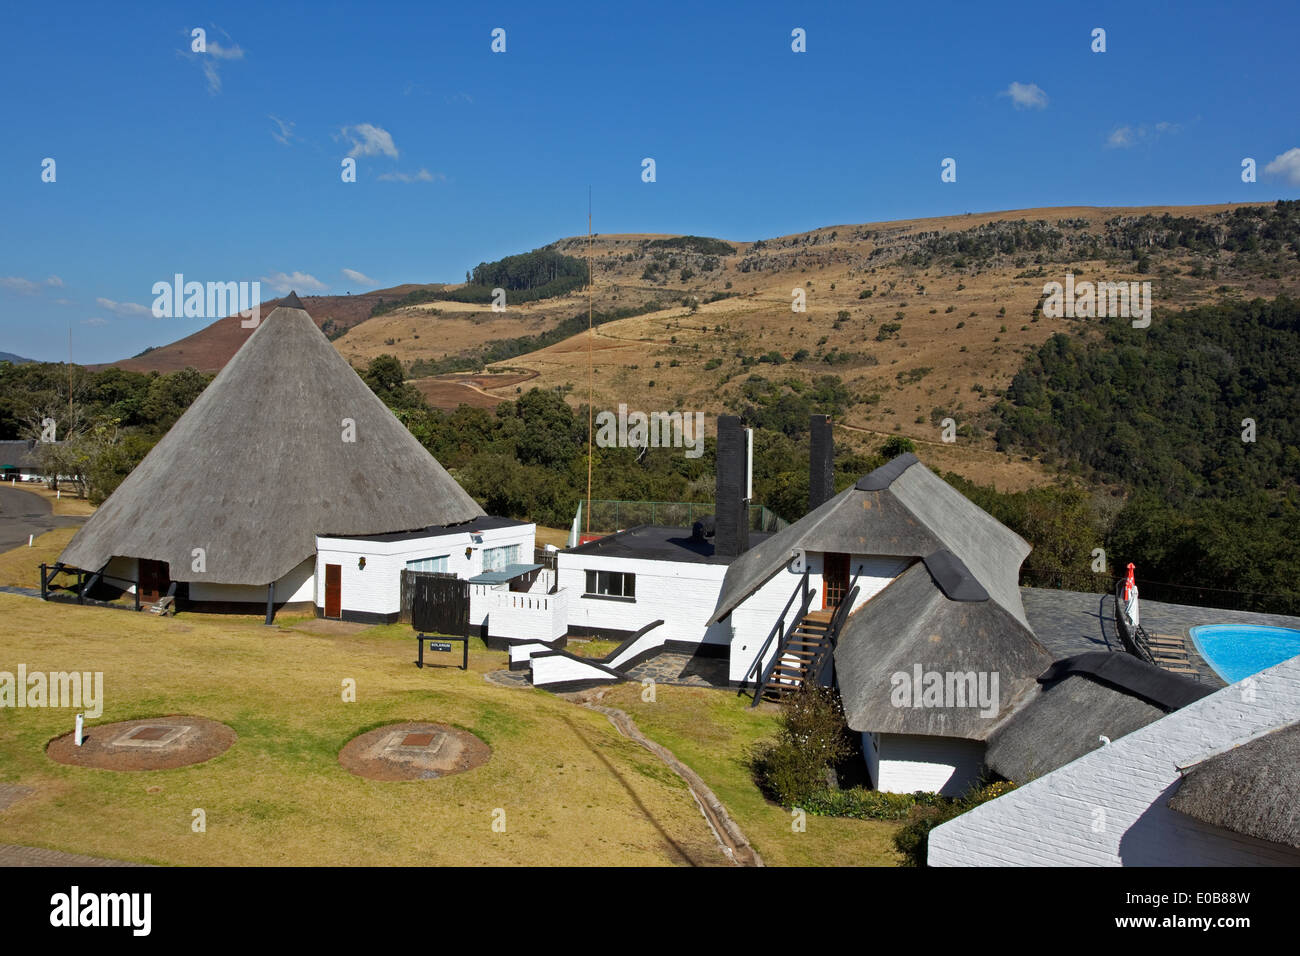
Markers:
{"x": 1239, "y": 650}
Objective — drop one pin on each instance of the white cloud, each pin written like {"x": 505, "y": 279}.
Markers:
{"x": 225, "y": 53}
{"x": 361, "y": 277}
{"x": 213, "y": 54}
{"x": 1287, "y": 165}
{"x": 94, "y": 321}
{"x": 18, "y": 284}
{"x": 285, "y": 134}
{"x": 1026, "y": 96}
{"x": 123, "y": 308}
{"x": 287, "y": 282}
{"x": 423, "y": 176}
{"x": 368, "y": 140}
{"x": 55, "y": 282}
{"x": 1120, "y": 138}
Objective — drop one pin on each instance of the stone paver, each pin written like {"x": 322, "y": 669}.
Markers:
{"x": 11, "y": 793}
{"x": 675, "y": 667}
{"x": 13, "y": 855}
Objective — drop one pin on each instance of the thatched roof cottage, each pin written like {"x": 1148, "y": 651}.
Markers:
{"x": 286, "y": 444}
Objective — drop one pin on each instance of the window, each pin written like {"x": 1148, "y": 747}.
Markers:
{"x": 428, "y": 564}
{"x": 496, "y": 559}
{"x": 612, "y": 584}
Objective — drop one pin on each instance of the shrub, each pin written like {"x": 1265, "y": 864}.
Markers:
{"x": 913, "y": 839}
{"x": 896, "y": 445}
{"x": 811, "y": 741}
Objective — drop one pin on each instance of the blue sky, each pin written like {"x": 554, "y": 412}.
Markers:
{"x": 225, "y": 166}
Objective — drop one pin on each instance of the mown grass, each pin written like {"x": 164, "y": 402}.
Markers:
{"x": 573, "y": 790}
{"x": 712, "y": 732}
{"x": 21, "y": 567}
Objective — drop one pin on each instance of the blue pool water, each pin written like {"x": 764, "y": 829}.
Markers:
{"x": 1236, "y": 651}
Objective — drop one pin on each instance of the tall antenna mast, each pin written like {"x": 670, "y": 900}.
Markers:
{"x": 591, "y": 361}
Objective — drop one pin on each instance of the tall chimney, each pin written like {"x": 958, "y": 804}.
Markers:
{"x": 821, "y": 464}
{"x": 731, "y": 516}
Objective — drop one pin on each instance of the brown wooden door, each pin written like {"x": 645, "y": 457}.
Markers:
{"x": 835, "y": 579}
{"x": 155, "y": 579}
{"x": 333, "y": 590}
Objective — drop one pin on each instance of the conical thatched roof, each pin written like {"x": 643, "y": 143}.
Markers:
{"x": 258, "y": 466}
{"x": 1252, "y": 789}
{"x": 901, "y": 509}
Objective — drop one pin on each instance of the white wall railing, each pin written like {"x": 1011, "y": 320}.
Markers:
{"x": 521, "y": 615}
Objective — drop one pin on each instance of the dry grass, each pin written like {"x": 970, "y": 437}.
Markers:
{"x": 573, "y": 790}
{"x": 21, "y": 566}
{"x": 556, "y": 536}
{"x": 712, "y": 731}
{"x": 66, "y": 503}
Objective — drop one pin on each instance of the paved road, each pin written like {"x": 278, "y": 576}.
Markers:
{"x": 24, "y": 512}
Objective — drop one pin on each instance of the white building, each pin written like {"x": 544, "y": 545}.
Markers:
{"x": 359, "y": 577}
{"x": 1211, "y": 784}
{"x": 285, "y": 449}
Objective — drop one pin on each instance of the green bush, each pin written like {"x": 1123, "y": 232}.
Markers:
{"x": 913, "y": 839}
{"x": 811, "y": 741}
{"x": 860, "y": 803}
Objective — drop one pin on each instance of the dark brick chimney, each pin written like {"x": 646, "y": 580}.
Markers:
{"x": 731, "y": 509}
{"x": 821, "y": 463}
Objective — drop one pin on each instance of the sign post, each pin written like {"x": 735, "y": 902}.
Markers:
{"x": 442, "y": 645}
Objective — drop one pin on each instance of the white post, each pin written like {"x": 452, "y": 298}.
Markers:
{"x": 80, "y": 721}
{"x": 30, "y": 537}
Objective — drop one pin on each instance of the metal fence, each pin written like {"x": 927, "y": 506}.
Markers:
{"x": 611, "y": 514}
{"x": 1162, "y": 592}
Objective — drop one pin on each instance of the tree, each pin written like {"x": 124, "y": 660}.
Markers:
{"x": 896, "y": 445}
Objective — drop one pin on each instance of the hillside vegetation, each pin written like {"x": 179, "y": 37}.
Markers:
{"x": 1197, "y": 416}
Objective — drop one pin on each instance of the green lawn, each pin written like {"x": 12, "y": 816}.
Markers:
{"x": 711, "y": 731}
{"x": 573, "y": 790}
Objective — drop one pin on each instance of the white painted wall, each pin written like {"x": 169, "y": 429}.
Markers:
{"x": 121, "y": 570}
{"x": 378, "y": 588}
{"x": 520, "y": 615}
{"x": 910, "y": 762}
{"x": 296, "y": 586}
{"x": 753, "y": 620}
{"x": 681, "y": 593}
{"x": 871, "y": 753}
{"x": 522, "y": 652}
{"x": 558, "y": 669}
{"x": 1109, "y": 807}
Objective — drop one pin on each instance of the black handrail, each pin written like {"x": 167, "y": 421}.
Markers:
{"x": 778, "y": 628}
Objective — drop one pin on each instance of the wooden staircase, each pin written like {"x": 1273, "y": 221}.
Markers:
{"x": 806, "y": 646}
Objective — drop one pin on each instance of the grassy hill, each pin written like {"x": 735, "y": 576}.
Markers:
{"x": 921, "y": 319}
